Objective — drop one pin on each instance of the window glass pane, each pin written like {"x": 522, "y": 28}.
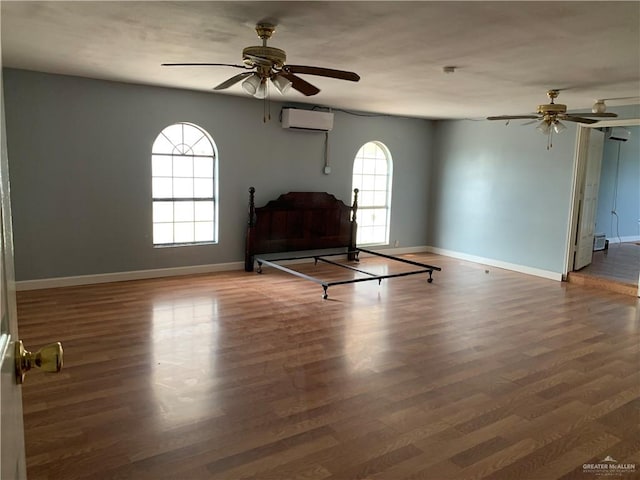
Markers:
{"x": 162, "y": 145}
{"x": 161, "y": 188}
{"x": 183, "y": 187}
{"x": 162, "y": 233}
{"x": 203, "y": 187}
{"x": 370, "y": 150}
{"x": 365, "y": 234}
{"x": 174, "y": 134}
{"x": 203, "y": 167}
{"x": 379, "y": 198}
{"x": 366, "y": 198}
{"x": 369, "y": 167}
{"x": 203, "y": 146}
{"x": 357, "y": 182}
{"x": 184, "y": 149}
{"x": 204, "y": 231}
{"x": 183, "y": 211}
{"x": 381, "y": 182}
{"x": 204, "y": 211}
{"x": 357, "y": 166}
{"x": 182, "y": 166}
{"x": 191, "y": 134}
{"x": 368, "y": 182}
{"x": 379, "y": 217}
{"x": 366, "y": 217}
{"x": 379, "y": 235}
{"x": 162, "y": 212}
{"x": 381, "y": 167}
{"x": 380, "y": 153}
{"x": 183, "y": 232}
{"x": 161, "y": 166}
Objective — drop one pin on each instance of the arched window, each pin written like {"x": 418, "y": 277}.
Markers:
{"x": 372, "y": 171}
{"x": 184, "y": 186}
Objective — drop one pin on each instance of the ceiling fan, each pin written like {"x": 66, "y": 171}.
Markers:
{"x": 263, "y": 63}
{"x": 550, "y": 114}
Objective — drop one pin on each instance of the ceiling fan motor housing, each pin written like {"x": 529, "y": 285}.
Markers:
{"x": 261, "y": 55}
{"x": 551, "y": 109}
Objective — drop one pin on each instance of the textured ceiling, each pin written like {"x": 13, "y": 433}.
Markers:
{"x": 507, "y": 54}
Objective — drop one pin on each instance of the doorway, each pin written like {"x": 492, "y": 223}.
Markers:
{"x": 617, "y": 267}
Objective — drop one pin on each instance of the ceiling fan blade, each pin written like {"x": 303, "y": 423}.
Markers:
{"x": 322, "y": 72}
{"x": 591, "y": 114}
{"x": 301, "y": 85}
{"x": 233, "y": 80}
{"x": 571, "y": 118}
{"x": 203, "y": 65}
{"x": 512, "y": 117}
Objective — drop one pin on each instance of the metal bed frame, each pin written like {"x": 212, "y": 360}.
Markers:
{"x": 371, "y": 276}
{"x": 299, "y": 221}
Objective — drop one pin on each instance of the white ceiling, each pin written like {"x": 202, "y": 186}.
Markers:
{"x": 507, "y": 54}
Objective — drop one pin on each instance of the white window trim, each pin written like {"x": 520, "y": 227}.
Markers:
{"x": 389, "y": 184}
{"x": 173, "y": 199}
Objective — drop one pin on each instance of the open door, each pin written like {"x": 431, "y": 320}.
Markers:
{"x": 588, "y": 203}
{"x": 12, "y": 455}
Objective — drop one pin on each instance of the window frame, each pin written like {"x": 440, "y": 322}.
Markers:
{"x": 358, "y": 181}
{"x": 181, "y": 149}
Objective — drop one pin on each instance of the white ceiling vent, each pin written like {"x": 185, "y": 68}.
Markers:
{"x": 307, "y": 119}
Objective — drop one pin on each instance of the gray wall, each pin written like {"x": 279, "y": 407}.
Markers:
{"x": 498, "y": 193}
{"x": 628, "y": 191}
{"x": 79, "y": 153}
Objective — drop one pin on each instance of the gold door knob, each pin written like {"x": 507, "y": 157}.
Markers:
{"x": 48, "y": 358}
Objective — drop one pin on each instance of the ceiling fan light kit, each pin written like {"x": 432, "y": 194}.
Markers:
{"x": 551, "y": 113}
{"x": 599, "y": 107}
{"x": 251, "y": 84}
{"x": 281, "y": 83}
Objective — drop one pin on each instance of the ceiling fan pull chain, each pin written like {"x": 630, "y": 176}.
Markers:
{"x": 265, "y": 100}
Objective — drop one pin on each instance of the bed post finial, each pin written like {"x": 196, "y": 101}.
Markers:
{"x": 249, "y": 240}
{"x": 353, "y": 255}
{"x": 252, "y": 206}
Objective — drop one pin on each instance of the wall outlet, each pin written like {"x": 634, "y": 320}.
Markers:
{"x": 396, "y": 243}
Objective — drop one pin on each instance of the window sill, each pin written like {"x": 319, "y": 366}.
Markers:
{"x": 190, "y": 244}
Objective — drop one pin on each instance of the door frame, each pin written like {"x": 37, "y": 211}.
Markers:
{"x": 579, "y": 159}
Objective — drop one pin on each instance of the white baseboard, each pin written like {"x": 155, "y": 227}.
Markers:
{"x": 624, "y": 239}
{"x": 221, "y": 267}
{"x": 160, "y": 272}
{"x": 498, "y": 263}
{"x": 124, "y": 276}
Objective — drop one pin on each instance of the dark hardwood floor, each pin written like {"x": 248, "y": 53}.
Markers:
{"x": 621, "y": 261}
{"x": 615, "y": 269}
{"x": 483, "y": 374}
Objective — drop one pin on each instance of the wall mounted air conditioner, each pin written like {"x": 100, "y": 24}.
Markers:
{"x": 307, "y": 119}
{"x": 619, "y": 133}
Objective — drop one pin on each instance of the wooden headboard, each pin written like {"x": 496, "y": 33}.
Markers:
{"x": 298, "y": 221}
